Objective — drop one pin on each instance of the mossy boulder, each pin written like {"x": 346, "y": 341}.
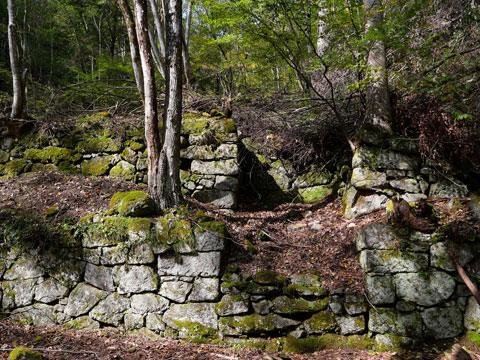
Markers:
{"x": 52, "y": 154}
{"x": 123, "y": 170}
{"x": 98, "y": 145}
{"x": 389, "y": 342}
{"x": 24, "y": 353}
{"x": 313, "y": 177}
{"x": 267, "y": 277}
{"x": 97, "y": 166}
{"x": 314, "y": 194}
{"x": 132, "y": 204}
{"x": 4, "y": 157}
{"x": 15, "y": 167}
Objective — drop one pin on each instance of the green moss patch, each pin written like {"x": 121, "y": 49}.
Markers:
{"x": 24, "y": 353}
{"x": 15, "y": 167}
{"x": 132, "y": 204}
{"x": 52, "y": 154}
{"x": 286, "y": 305}
{"x": 98, "y": 145}
{"x": 267, "y": 277}
{"x": 321, "y": 323}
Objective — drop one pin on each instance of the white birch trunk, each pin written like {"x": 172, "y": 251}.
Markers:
{"x": 378, "y": 102}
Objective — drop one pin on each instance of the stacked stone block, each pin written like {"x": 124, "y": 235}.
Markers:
{"x": 383, "y": 169}
{"x": 412, "y": 284}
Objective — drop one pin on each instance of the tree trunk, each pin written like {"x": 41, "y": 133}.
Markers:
{"x": 378, "y": 102}
{"x": 133, "y": 41}
{"x": 16, "y": 63}
{"x": 169, "y": 163}
{"x": 191, "y": 81}
{"x": 163, "y": 159}
{"x": 159, "y": 26}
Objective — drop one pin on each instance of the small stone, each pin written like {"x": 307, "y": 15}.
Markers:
{"x": 111, "y": 310}
{"x": 472, "y": 315}
{"x": 447, "y": 189}
{"x": 390, "y": 321}
{"x": 442, "y": 323}
{"x": 424, "y": 290}
{"x": 100, "y": 277}
{"x": 133, "y": 321}
{"x": 146, "y": 303}
{"x": 175, "y": 290}
{"x": 262, "y": 307}
{"x": 232, "y": 305}
{"x": 24, "y": 268}
{"x": 135, "y": 279}
{"x": 202, "y": 264}
{"x": 350, "y": 325}
{"x": 380, "y": 289}
{"x": 184, "y": 317}
{"x": 17, "y": 293}
{"x": 320, "y": 323}
{"x": 141, "y": 254}
{"x": 82, "y": 322}
{"x": 123, "y": 170}
{"x": 204, "y": 289}
{"x": 364, "y": 178}
{"x": 133, "y": 204}
{"x": 82, "y": 299}
{"x": 49, "y": 291}
{"x": 154, "y": 322}
{"x": 392, "y": 261}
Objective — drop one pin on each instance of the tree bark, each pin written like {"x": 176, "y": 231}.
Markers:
{"x": 190, "y": 79}
{"x": 163, "y": 153}
{"x": 169, "y": 163}
{"x": 379, "y": 110}
{"x": 133, "y": 41}
{"x": 159, "y": 26}
{"x": 16, "y": 62}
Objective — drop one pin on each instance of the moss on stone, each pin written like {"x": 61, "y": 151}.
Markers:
{"x": 136, "y": 146}
{"x": 286, "y": 305}
{"x": 303, "y": 346}
{"x": 52, "y": 210}
{"x": 132, "y": 204}
{"x": 24, "y": 353}
{"x": 52, "y": 154}
{"x": 321, "y": 322}
{"x": 267, "y": 277}
{"x": 97, "y": 166}
{"x": 14, "y": 167}
{"x": 98, "y": 145}
{"x": 193, "y": 328}
{"x": 224, "y": 125}
{"x": 473, "y": 337}
{"x": 193, "y": 123}
{"x": 314, "y": 194}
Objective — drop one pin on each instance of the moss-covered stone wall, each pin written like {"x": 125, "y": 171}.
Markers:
{"x": 98, "y": 146}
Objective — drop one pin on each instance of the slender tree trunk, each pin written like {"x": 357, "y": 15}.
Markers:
{"x": 159, "y": 26}
{"x": 16, "y": 63}
{"x": 322, "y": 42}
{"x": 191, "y": 81}
{"x": 133, "y": 42}
{"x": 378, "y": 102}
{"x": 163, "y": 154}
{"x": 169, "y": 163}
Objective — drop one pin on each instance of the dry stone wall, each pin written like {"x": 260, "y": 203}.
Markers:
{"x": 165, "y": 277}
{"x": 412, "y": 283}
{"x": 98, "y": 146}
{"x": 383, "y": 169}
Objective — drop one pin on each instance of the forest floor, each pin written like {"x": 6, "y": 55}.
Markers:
{"x": 292, "y": 238}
